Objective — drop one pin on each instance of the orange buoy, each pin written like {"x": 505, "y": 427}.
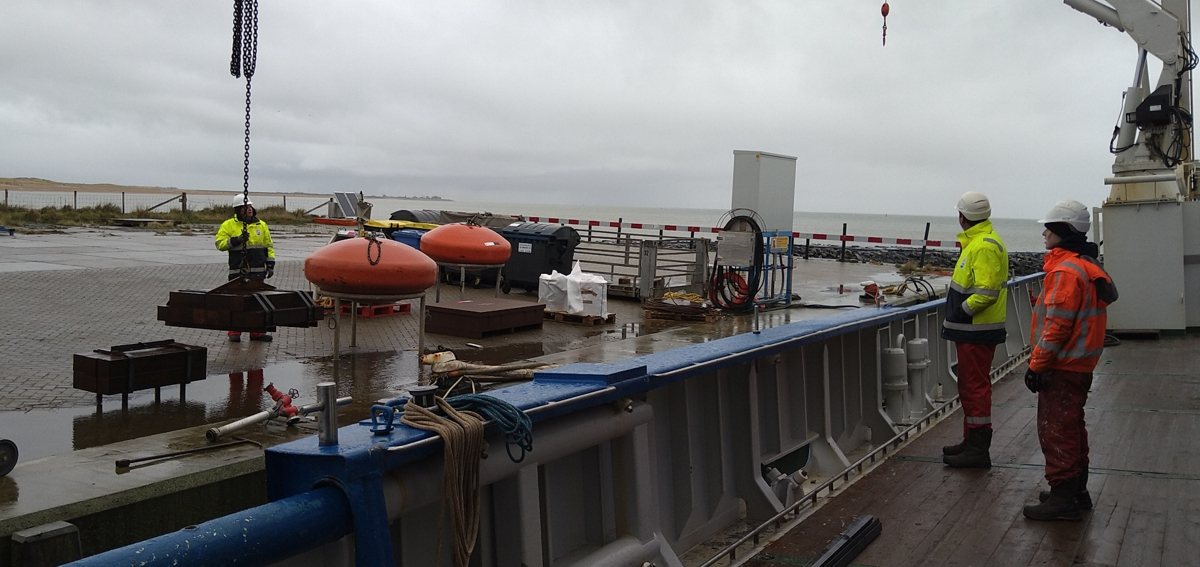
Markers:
{"x": 466, "y": 244}
{"x": 365, "y": 266}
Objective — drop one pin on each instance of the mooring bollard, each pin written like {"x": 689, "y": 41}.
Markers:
{"x": 327, "y": 427}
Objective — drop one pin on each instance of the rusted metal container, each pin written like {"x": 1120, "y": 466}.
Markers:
{"x": 128, "y": 368}
{"x": 241, "y": 306}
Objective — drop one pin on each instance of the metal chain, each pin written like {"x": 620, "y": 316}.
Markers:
{"x": 242, "y": 63}
{"x": 373, "y": 239}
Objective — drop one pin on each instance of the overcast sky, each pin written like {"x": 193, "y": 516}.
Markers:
{"x": 573, "y": 102}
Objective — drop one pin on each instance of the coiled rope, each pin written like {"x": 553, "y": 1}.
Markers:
{"x": 515, "y": 426}
{"x": 462, "y": 434}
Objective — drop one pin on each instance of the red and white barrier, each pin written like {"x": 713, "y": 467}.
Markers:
{"x": 795, "y": 235}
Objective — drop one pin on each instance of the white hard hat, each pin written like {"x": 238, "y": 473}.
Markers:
{"x": 974, "y": 206}
{"x": 1071, "y": 212}
{"x": 241, "y": 199}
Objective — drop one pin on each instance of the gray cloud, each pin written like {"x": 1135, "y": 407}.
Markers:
{"x": 581, "y": 102}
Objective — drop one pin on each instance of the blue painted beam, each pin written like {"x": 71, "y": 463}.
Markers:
{"x": 256, "y": 537}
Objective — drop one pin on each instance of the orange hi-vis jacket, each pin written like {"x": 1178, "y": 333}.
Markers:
{"x": 1070, "y": 316}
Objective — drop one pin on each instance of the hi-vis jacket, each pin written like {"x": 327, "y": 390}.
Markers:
{"x": 976, "y": 302}
{"x": 1071, "y": 314}
{"x": 260, "y": 249}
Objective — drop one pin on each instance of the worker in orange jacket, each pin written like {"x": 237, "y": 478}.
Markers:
{"x": 1067, "y": 336}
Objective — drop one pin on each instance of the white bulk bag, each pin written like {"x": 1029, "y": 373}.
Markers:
{"x": 587, "y": 294}
{"x": 552, "y": 291}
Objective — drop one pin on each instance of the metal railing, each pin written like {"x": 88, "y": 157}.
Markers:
{"x": 643, "y": 264}
{"x": 150, "y": 201}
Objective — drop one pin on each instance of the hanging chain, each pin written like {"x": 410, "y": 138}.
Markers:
{"x": 242, "y": 63}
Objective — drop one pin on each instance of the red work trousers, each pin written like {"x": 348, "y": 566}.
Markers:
{"x": 975, "y": 384}
{"x": 1060, "y": 425}
{"x": 239, "y": 333}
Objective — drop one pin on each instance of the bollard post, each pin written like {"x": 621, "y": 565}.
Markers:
{"x": 806, "y": 243}
{"x": 842, "y": 256}
{"x": 327, "y": 427}
{"x": 122, "y": 202}
{"x": 285, "y": 203}
{"x": 75, "y": 204}
{"x": 183, "y": 203}
{"x": 924, "y": 244}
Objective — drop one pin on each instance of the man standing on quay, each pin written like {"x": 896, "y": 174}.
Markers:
{"x": 975, "y": 309}
{"x": 250, "y": 248}
{"x": 1067, "y": 336}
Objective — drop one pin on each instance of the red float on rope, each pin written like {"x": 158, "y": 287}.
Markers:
{"x": 884, "y": 10}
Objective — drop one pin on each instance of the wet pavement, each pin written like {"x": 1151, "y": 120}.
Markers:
{"x": 82, "y": 289}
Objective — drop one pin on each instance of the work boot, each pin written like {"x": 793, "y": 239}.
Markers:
{"x": 975, "y": 456}
{"x": 264, "y": 338}
{"x": 1061, "y": 504}
{"x": 235, "y": 338}
{"x": 1083, "y": 499}
{"x": 955, "y": 449}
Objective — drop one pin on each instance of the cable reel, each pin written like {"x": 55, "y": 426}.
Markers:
{"x": 738, "y": 268}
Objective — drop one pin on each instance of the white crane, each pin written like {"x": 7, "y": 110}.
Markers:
{"x": 1151, "y": 219}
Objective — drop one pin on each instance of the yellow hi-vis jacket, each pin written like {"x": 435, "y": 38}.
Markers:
{"x": 977, "y": 300}
{"x": 259, "y": 249}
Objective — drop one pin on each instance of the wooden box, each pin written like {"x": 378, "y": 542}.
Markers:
{"x": 475, "y": 319}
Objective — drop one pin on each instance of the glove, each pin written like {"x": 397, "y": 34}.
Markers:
{"x": 235, "y": 241}
{"x": 1035, "y": 381}
{"x": 270, "y": 268}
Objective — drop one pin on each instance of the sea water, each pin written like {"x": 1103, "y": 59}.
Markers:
{"x": 1021, "y": 235}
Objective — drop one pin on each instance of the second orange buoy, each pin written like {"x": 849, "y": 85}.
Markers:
{"x": 466, "y": 244}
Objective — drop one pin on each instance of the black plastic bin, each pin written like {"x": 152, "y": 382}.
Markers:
{"x": 537, "y": 248}
{"x": 418, "y": 215}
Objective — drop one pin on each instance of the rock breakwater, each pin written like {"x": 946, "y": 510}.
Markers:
{"x": 1020, "y": 263}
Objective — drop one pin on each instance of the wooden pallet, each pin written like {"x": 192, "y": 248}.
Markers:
{"x": 585, "y": 320}
{"x": 706, "y": 317}
{"x": 368, "y": 311}
{"x": 381, "y": 310}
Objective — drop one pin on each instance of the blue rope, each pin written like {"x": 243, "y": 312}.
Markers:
{"x": 516, "y": 427}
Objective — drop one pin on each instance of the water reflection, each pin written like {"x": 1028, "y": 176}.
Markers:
{"x": 216, "y": 399}
{"x": 95, "y": 429}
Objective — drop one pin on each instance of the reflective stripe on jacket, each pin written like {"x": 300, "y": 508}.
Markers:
{"x": 1069, "y": 318}
{"x": 260, "y": 249}
{"x": 977, "y": 299}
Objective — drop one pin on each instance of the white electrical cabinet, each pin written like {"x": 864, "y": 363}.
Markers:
{"x": 766, "y": 184}
{"x": 1191, "y": 261}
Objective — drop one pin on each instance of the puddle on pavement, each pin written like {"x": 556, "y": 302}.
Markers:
{"x": 502, "y": 354}
{"x": 218, "y": 398}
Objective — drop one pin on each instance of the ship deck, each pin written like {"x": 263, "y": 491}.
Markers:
{"x": 1143, "y": 416}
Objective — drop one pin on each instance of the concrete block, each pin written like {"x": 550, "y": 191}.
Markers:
{"x": 47, "y": 545}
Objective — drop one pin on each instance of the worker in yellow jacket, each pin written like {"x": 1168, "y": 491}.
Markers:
{"x": 251, "y": 250}
{"x": 974, "y": 320}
